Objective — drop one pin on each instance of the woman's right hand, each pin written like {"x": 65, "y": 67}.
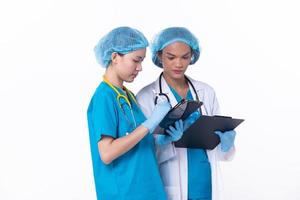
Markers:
{"x": 159, "y": 112}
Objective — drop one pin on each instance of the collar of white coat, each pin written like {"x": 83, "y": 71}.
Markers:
{"x": 173, "y": 101}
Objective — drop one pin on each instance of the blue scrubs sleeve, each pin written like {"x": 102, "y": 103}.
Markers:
{"x": 104, "y": 116}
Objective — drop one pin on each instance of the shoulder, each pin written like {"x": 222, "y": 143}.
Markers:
{"x": 103, "y": 90}
{"x": 104, "y": 95}
{"x": 199, "y": 85}
{"x": 103, "y": 98}
{"x": 146, "y": 91}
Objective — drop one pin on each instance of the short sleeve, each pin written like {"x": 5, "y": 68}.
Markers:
{"x": 104, "y": 116}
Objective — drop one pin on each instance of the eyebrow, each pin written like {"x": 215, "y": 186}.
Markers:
{"x": 170, "y": 54}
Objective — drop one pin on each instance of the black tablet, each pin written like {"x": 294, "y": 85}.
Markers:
{"x": 180, "y": 111}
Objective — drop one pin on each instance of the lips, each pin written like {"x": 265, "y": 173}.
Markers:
{"x": 134, "y": 75}
{"x": 177, "y": 71}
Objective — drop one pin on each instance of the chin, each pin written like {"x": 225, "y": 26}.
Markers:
{"x": 178, "y": 76}
{"x": 129, "y": 80}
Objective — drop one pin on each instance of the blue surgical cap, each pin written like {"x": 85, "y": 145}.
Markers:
{"x": 121, "y": 40}
{"x": 171, "y": 35}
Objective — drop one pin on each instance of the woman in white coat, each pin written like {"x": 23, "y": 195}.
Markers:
{"x": 187, "y": 173}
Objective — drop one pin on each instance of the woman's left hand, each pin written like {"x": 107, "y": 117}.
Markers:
{"x": 227, "y": 139}
{"x": 175, "y": 133}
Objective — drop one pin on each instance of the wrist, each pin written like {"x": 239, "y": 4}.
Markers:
{"x": 149, "y": 125}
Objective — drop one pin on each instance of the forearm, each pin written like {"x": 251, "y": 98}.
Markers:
{"x": 110, "y": 149}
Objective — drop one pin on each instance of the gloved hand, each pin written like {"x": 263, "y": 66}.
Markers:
{"x": 227, "y": 139}
{"x": 159, "y": 112}
{"x": 174, "y": 134}
{"x": 190, "y": 120}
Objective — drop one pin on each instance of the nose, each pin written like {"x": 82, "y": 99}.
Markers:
{"x": 139, "y": 67}
{"x": 178, "y": 63}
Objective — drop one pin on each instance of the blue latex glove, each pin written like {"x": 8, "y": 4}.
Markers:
{"x": 227, "y": 139}
{"x": 174, "y": 134}
{"x": 190, "y": 120}
{"x": 159, "y": 112}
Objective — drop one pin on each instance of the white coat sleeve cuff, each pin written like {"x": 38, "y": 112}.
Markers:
{"x": 225, "y": 156}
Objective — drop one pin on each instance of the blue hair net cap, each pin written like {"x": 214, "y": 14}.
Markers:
{"x": 121, "y": 40}
{"x": 171, "y": 35}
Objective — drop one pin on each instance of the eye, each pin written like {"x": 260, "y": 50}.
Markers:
{"x": 136, "y": 61}
{"x": 170, "y": 58}
{"x": 186, "y": 57}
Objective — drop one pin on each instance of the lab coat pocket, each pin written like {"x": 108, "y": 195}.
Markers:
{"x": 165, "y": 153}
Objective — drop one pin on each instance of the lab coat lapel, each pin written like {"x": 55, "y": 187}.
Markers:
{"x": 200, "y": 93}
{"x": 166, "y": 89}
{"x": 181, "y": 152}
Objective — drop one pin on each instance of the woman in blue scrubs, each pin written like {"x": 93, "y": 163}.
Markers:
{"x": 122, "y": 145}
{"x": 187, "y": 173}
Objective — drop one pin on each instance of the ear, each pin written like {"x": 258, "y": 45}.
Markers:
{"x": 114, "y": 58}
{"x": 159, "y": 55}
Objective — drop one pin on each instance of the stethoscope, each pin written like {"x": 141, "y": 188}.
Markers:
{"x": 166, "y": 96}
{"x": 121, "y": 96}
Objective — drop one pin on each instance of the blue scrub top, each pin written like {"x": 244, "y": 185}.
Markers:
{"x": 135, "y": 174}
{"x": 199, "y": 171}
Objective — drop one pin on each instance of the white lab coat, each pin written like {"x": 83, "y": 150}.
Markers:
{"x": 173, "y": 161}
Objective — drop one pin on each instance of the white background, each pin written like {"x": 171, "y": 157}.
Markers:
{"x": 48, "y": 73}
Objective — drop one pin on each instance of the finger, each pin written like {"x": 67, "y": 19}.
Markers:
{"x": 177, "y": 125}
{"x": 181, "y": 125}
{"x": 219, "y": 133}
{"x": 171, "y": 128}
{"x": 170, "y": 133}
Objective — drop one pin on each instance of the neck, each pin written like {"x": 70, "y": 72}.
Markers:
{"x": 113, "y": 78}
{"x": 180, "y": 83}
